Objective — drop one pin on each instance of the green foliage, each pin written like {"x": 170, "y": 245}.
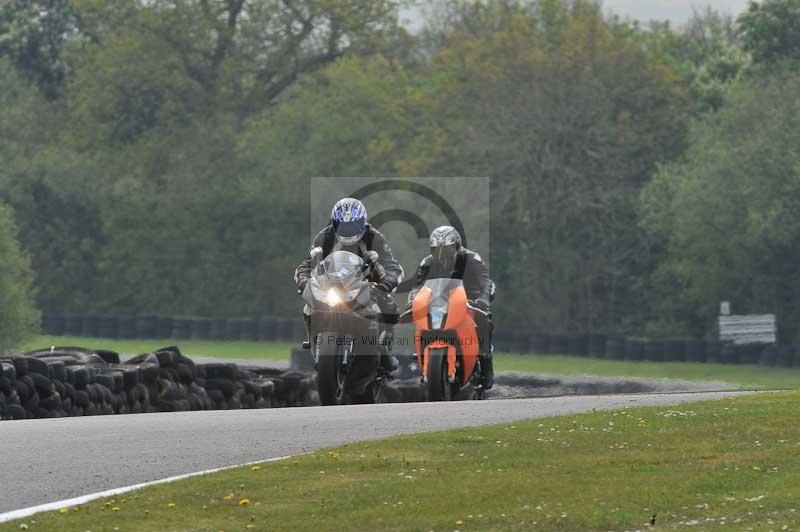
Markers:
{"x": 568, "y": 114}
{"x": 19, "y": 318}
{"x": 729, "y": 209}
{"x": 164, "y": 164}
{"x": 32, "y": 35}
{"x": 706, "y": 54}
{"x": 769, "y": 30}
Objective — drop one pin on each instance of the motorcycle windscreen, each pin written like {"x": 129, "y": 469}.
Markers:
{"x": 342, "y": 267}
{"x": 441, "y": 291}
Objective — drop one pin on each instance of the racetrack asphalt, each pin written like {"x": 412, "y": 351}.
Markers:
{"x": 46, "y": 460}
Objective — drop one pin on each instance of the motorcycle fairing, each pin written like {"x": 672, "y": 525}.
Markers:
{"x": 443, "y": 302}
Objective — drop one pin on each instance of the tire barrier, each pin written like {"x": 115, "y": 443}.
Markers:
{"x": 164, "y": 328}
{"x": 126, "y": 327}
{"x": 578, "y": 346}
{"x": 216, "y": 330}
{"x": 201, "y": 329}
{"x": 696, "y": 351}
{"x": 786, "y": 357}
{"x": 73, "y": 325}
{"x": 653, "y": 351}
{"x": 634, "y": 350}
{"x": 615, "y": 348}
{"x": 674, "y": 351}
{"x": 597, "y": 345}
{"x": 714, "y": 352}
{"x": 146, "y": 327}
{"x": 559, "y": 344}
{"x": 769, "y": 356}
{"x": 539, "y": 343}
{"x": 89, "y": 327}
{"x": 74, "y": 381}
{"x": 107, "y": 327}
{"x": 181, "y": 329}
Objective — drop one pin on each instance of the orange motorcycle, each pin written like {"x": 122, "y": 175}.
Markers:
{"x": 446, "y": 339}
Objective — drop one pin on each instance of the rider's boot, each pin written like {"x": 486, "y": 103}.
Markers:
{"x": 487, "y": 372}
{"x": 388, "y": 361}
{"x": 307, "y": 322}
{"x": 487, "y": 366}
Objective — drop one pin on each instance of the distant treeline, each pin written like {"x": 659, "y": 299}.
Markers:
{"x": 156, "y": 155}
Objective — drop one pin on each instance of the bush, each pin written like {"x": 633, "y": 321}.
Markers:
{"x": 19, "y": 319}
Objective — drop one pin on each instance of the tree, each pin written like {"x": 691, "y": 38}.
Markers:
{"x": 33, "y": 34}
{"x": 706, "y": 54}
{"x": 729, "y": 210}
{"x": 19, "y": 318}
{"x": 235, "y": 56}
{"x": 51, "y": 189}
{"x": 769, "y": 30}
{"x": 569, "y": 114}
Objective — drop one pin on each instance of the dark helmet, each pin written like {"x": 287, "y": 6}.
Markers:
{"x": 349, "y": 220}
{"x": 445, "y": 243}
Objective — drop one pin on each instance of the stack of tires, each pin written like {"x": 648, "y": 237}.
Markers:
{"x": 73, "y": 381}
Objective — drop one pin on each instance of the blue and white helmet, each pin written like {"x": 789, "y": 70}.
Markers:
{"x": 349, "y": 220}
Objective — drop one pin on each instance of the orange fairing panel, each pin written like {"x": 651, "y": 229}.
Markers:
{"x": 419, "y": 308}
{"x": 457, "y": 312}
{"x": 460, "y": 318}
{"x": 468, "y": 337}
{"x": 419, "y": 316}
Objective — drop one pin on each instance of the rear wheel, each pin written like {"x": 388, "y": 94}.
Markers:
{"x": 439, "y": 389}
{"x": 330, "y": 375}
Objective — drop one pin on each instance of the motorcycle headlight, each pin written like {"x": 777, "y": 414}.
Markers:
{"x": 333, "y": 297}
{"x": 437, "y": 317}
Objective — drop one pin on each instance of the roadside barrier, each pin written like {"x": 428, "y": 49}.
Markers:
{"x": 73, "y": 381}
{"x": 612, "y": 347}
{"x": 270, "y": 328}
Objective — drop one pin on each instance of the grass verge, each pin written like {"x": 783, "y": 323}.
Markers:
{"x": 746, "y": 376}
{"x": 728, "y": 465}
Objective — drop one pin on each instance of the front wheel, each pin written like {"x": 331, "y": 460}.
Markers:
{"x": 439, "y": 388}
{"x": 330, "y": 374}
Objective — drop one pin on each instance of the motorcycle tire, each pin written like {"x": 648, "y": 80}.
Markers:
{"x": 439, "y": 389}
{"x": 330, "y": 378}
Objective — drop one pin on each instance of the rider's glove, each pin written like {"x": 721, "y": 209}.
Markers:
{"x": 371, "y": 256}
{"x": 481, "y": 304}
{"x": 383, "y": 286}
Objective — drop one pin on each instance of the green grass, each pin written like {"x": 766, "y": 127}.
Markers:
{"x": 205, "y": 348}
{"x": 722, "y": 465}
{"x": 747, "y": 377}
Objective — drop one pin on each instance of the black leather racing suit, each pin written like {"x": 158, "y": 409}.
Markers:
{"x": 470, "y": 268}
{"x": 388, "y": 274}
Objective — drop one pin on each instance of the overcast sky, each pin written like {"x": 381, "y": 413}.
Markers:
{"x": 677, "y": 11}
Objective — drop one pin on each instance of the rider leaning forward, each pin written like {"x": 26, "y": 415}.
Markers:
{"x": 349, "y": 231}
{"x": 449, "y": 259}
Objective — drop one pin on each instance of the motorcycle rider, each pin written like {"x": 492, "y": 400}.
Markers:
{"x": 349, "y": 231}
{"x": 449, "y": 259}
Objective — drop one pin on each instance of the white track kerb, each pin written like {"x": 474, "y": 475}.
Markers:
{"x": 83, "y": 499}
